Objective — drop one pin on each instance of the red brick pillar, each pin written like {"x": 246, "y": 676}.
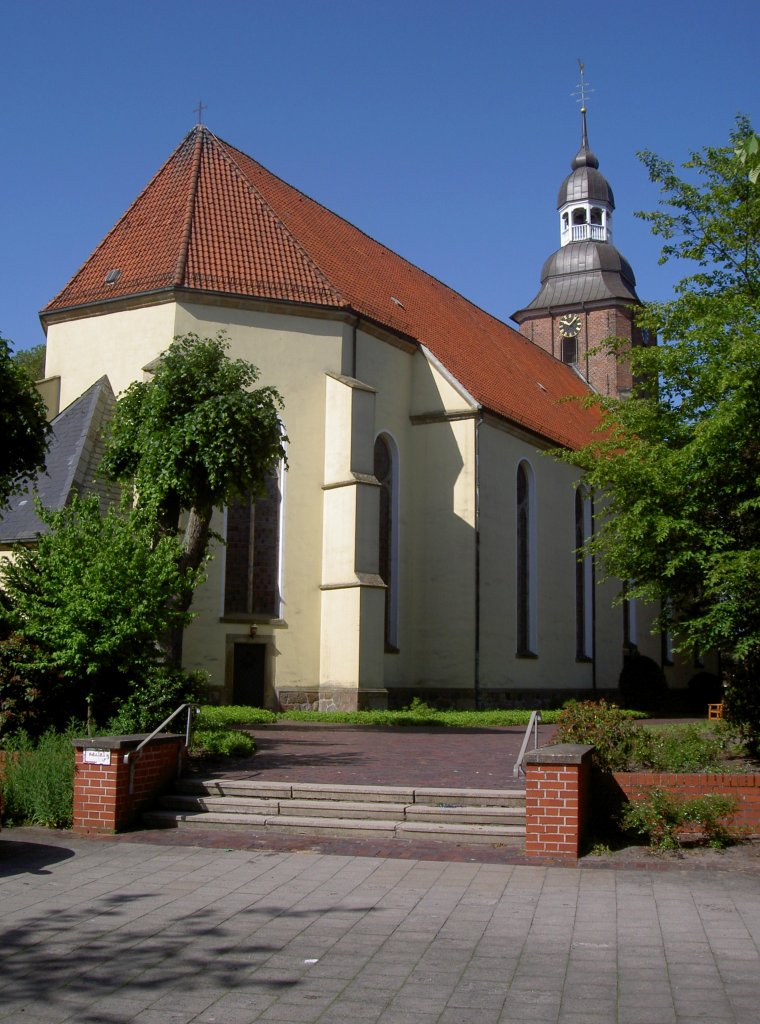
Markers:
{"x": 557, "y": 800}
{"x": 110, "y": 789}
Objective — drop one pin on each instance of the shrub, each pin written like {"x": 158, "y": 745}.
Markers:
{"x": 613, "y": 734}
{"x": 159, "y": 691}
{"x": 642, "y": 683}
{"x": 222, "y": 743}
{"x": 228, "y": 715}
{"x": 662, "y": 818}
{"x": 30, "y": 698}
{"x": 741, "y": 702}
{"x": 38, "y": 779}
{"x": 683, "y": 748}
{"x": 704, "y": 688}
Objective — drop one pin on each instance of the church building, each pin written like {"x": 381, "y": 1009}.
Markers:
{"x": 421, "y": 542}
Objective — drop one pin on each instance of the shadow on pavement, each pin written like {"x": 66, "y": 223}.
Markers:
{"x": 17, "y": 858}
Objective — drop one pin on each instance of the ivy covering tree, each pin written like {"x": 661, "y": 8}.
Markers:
{"x": 193, "y": 438}
{"x": 678, "y": 463}
{"x": 23, "y": 427}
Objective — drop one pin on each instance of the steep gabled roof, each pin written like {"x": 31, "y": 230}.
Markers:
{"x": 71, "y": 466}
{"x": 215, "y": 220}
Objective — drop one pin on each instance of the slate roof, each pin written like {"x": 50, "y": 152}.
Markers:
{"x": 74, "y": 455}
{"x": 214, "y": 220}
{"x": 583, "y": 272}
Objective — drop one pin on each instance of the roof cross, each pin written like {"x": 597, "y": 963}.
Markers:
{"x": 582, "y": 88}
{"x": 199, "y": 111}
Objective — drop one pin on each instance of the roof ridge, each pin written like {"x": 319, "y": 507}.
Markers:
{"x": 90, "y": 400}
{"x": 121, "y": 219}
{"x": 181, "y": 264}
{"x": 224, "y": 148}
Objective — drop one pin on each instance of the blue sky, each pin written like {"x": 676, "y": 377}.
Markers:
{"x": 443, "y": 129}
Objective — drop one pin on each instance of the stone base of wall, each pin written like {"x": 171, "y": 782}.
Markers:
{"x": 491, "y": 699}
{"x": 333, "y": 699}
{"x": 745, "y": 788}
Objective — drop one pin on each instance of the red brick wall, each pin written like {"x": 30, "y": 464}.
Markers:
{"x": 602, "y": 370}
{"x": 556, "y": 805}
{"x": 102, "y": 800}
{"x": 745, "y": 788}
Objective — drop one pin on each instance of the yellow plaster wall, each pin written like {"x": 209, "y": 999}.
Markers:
{"x": 293, "y": 354}
{"x": 118, "y": 344}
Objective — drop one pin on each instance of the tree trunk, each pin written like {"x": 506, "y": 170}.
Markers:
{"x": 195, "y": 545}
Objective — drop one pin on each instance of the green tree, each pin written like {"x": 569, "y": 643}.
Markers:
{"x": 23, "y": 427}
{"x": 191, "y": 439}
{"x": 92, "y": 600}
{"x": 31, "y": 360}
{"x": 678, "y": 463}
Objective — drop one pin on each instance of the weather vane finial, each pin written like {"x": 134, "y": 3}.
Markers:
{"x": 582, "y": 89}
{"x": 199, "y": 111}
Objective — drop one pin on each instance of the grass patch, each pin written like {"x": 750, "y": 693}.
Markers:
{"x": 417, "y": 714}
{"x": 38, "y": 779}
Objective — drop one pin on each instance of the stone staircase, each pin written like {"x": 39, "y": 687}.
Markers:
{"x": 495, "y": 817}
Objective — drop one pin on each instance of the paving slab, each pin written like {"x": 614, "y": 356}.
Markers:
{"x": 99, "y": 931}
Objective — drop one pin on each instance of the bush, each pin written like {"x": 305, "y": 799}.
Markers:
{"x": 227, "y": 715}
{"x": 704, "y": 688}
{"x": 684, "y": 748}
{"x": 160, "y": 691}
{"x": 613, "y": 733}
{"x": 741, "y": 702}
{"x": 30, "y": 698}
{"x": 222, "y": 743}
{"x": 642, "y": 684}
{"x": 38, "y": 779}
{"x": 662, "y": 819}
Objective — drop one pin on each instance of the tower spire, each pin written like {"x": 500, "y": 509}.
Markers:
{"x": 584, "y": 157}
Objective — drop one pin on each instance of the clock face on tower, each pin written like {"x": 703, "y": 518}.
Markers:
{"x": 569, "y": 325}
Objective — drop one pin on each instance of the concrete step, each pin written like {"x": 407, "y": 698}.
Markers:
{"x": 348, "y": 827}
{"x": 420, "y": 813}
{"x": 437, "y": 797}
{"x": 462, "y": 816}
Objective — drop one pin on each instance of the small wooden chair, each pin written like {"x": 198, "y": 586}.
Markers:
{"x": 715, "y": 710}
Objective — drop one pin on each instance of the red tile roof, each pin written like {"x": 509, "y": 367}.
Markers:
{"x": 215, "y": 220}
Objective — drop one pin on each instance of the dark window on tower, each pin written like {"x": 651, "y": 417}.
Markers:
{"x": 569, "y": 350}
{"x": 252, "y": 558}
{"x": 579, "y": 216}
{"x": 596, "y": 215}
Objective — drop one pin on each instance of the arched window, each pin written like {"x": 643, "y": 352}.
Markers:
{"x": 386, "y": 474}
{"x": 596, "y": 215}
{"x": 252, "y": 557}
{"x": 526, "y": 563}
{"x": 584, "y": 579}
{"x": 579, "y": 215}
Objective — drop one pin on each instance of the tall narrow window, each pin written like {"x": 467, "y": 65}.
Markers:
{"x": 584, "y": 579}
{"x": 526, "y": 563}
{"x": 252, "y": 558}
{"x": 385, "y": 470}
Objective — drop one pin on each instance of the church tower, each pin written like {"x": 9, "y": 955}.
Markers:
{"x": 587, "y": 286}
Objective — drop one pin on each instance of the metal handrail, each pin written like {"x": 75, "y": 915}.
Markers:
{"x": 535, "y": 718}
{"x": 133, "y": 755}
